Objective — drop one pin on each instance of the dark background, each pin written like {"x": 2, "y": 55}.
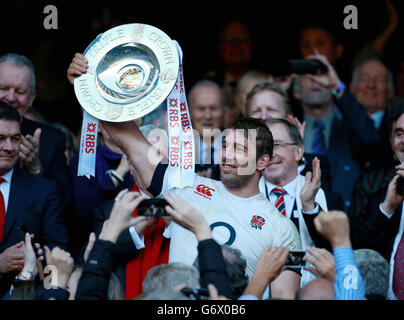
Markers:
{"x": 194, "y": 24}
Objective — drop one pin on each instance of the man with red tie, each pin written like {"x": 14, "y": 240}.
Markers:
{"x": 26, "y": 200}
{"x": 297, "y": 197}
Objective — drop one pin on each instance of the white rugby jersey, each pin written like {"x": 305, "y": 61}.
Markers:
{"x": 248, "y": 224}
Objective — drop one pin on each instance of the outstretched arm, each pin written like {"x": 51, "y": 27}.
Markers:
{"x": 379, "y": 43}
{"x": 126, "y": 135}
{"x": 141, "y": 153}
{"x": 348, "y": 283}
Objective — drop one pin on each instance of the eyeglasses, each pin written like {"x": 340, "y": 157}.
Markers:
{"x": 279, "y": 145}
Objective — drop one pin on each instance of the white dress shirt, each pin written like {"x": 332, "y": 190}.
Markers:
{"x": 377, "y": 118}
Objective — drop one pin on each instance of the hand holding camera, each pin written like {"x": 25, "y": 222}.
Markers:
{"x": 329, "y": 78}
{"x": 187, "y": 216}
{"x": 121, "y": 216}
{"x": 395, "y": 191}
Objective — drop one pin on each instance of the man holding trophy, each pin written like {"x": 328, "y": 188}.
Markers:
{"x": 129, "y": 71}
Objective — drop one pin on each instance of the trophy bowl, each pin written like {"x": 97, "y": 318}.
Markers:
{"x": 132, "y": 69}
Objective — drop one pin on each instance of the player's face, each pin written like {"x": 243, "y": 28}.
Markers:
{"x": 238, "y": 158}
{"x": 282, "y": 168}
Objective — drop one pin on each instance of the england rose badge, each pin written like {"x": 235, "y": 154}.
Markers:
{"x": 257, "y": 222}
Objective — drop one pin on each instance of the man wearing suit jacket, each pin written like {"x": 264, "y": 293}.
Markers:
{"x": 295, "y": 196}
{"x": 383, "y": 226}
{"x": 26, "y": 200}
{"x": 334, "y": 129}
{"x": 42, "y": 146}
{"x": 372, "y": 85}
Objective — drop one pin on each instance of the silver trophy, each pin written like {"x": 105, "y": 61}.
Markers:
{"x": 132, "y": 70}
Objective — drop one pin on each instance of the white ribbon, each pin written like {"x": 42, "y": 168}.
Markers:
{"x": 181, "y": 166}
{"x": 88, "y": 146}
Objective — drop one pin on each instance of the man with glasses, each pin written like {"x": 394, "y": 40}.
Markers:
{"x": 297, "y": 197}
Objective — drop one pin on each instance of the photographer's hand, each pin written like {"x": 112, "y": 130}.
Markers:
{"x": 121, "y": 216}
{"x": 188, "y": 217}
{"x": 328, "y": 79}
{"x": 286, "y": 81}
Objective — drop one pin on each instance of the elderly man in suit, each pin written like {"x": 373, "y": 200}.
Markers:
{"x": 42, "y": 148}
{"x": 26, "y": 200}
{"x": 297, "y": 197}
{"x": 382, "y": 228}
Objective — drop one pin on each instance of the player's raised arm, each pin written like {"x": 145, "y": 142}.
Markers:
{"x": 126, "y": 135}
{"x": 142, "y": 154}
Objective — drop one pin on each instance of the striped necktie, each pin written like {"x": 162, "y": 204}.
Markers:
{"x": 280, "y": 201}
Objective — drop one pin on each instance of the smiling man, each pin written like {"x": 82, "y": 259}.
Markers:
{"x": 297, "y": 197}
{"x": 372, "y": 85}
{"x": 42, "y": 146}
{"x": 238, "y": 214}
{"x": 26, "y": 200}
{"x": 382, "y": 228}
